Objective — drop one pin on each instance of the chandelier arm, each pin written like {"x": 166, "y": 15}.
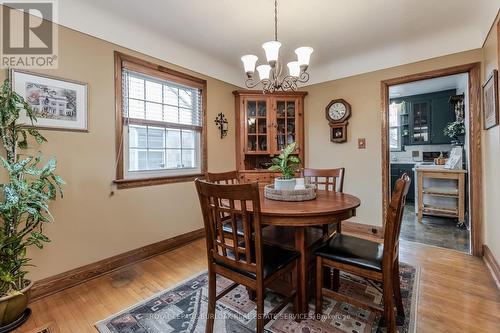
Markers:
{"x": 304, "y": 77}
{"x": 252, "y": 83}
{"x": 289, "y": 83}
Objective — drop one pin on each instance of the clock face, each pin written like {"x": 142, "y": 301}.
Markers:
{"x": 337, "y": 111}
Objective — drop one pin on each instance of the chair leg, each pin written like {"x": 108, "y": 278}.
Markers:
{"x": 295, "y": 286}
{"x": 326, "y": 231}
{"x": 212, "y": 289}
{"x": 251, "y": 294}
{"x": 335, "y": 279}
{"x": 389, "y": 318}
{"x": 319, "y": 288}
{"x": 260, "y": 309}
{"x": 397, "y": 291}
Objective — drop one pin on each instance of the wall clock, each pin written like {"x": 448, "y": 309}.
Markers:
{"x": 338, "y": 112}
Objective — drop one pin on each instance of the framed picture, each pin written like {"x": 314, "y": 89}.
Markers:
{"x": 57, "y": 103}
{"x": 490, "y": 101}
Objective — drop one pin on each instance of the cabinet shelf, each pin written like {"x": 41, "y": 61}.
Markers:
{"x": 441, "y": 192}
{"x": 440, "y": 211}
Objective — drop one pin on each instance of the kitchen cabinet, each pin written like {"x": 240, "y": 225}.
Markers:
{"x": 397, "y": 170}
{"x": 444, "y": 114}
{"x": 420, "y": 114}
{"x": 425, "y": 117}
{"x": 265, "y": 124}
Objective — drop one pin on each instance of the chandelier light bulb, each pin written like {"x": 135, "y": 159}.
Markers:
{"x": 272, "y": 49}
{"x": 304, "y": 55}
{"x": 264, "y": 71}
{"x": 249, "y": 62}
{"x": 293, "y": 68}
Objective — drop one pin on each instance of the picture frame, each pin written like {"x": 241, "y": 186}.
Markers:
{"x": 58, "y": 104}
{"x": 490, "y": 101}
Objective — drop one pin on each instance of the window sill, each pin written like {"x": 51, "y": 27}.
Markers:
{"x": 141, "y": 182}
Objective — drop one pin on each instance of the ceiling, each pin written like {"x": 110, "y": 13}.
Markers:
{"x": 348, "y": 36}
{"x": 457, "y": 81}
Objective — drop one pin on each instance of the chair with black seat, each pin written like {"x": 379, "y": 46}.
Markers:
{"x": 371, "y": 260}
{"x": 228, "y": 177}
{"x": 247, "y": 262}
{"x": 328, "y": 180}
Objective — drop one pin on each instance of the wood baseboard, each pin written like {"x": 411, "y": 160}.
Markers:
{"x": 82, "y": 274}
{"x": 492, "y": 264}
{"x": 362, "y": 229}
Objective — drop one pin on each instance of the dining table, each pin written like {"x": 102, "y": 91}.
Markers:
{"x": 328, "y": 207}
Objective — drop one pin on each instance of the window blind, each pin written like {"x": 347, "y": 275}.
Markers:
{"x": 152, "y": 99}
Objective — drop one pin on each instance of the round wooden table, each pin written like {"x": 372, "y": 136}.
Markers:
{"x": 328, "y": 207}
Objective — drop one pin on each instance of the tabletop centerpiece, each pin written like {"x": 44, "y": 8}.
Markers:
{"x": 286, "y": 187}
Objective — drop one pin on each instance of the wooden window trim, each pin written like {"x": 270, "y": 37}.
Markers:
{"x": 148, "y": 68}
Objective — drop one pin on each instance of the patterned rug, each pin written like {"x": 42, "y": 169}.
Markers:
{"x": 184, "y": 307}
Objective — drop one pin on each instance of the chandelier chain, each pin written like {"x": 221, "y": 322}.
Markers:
{"x": 275, "y": 20}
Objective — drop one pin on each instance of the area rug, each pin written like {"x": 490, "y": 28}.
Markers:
{"x": 183, "y": 309}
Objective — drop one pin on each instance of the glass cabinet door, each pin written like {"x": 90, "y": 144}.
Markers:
{"x": 421, "y": 122}
{"x": 286, "y": 114}
{"x": 256, "y": 124}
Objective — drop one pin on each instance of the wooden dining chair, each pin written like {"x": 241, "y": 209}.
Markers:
{"x": 228, "y": 177}
{"x": 248, "y": 262}
{"x": 328, "y": 180}
{"x": 371, "y": 260}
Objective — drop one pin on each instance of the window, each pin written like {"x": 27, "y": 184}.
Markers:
{"x": 160, "y": 117}
{"x": 395, "y": 126}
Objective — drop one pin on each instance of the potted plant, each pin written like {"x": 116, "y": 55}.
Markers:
{"x": 27, "y": 188}
{"x": 456, "y": 131}
{"x": 287, "y": 164}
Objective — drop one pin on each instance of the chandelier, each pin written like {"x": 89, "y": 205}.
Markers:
{"x": 271, "y": 75}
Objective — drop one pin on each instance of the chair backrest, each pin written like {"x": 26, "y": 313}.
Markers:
{"x": 394, "y": 219}
{"x": 326, "y": 179}
{"x": 222, "y": 204}
{"x": 229, "y": 177}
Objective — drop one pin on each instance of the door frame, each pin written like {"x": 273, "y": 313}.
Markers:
{"x": 475, "y": 189}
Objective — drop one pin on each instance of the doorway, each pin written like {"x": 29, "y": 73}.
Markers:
{"x": 414, "y": 142}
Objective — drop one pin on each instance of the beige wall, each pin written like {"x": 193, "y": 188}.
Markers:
{"x": 363, "y": 167}
{"x": 491, "y": 158}
{"x": 89, "y": 224}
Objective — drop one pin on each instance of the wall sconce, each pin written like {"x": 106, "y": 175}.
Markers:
{"x": 221, "y": 123}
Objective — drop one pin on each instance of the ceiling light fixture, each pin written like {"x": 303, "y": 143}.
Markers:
{"x": 271, "y": 75}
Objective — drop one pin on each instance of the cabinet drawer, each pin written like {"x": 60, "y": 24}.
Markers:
{"x": 261, "y": 177}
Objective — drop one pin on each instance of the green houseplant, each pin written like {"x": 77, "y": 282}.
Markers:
{"x": 456, "y": 131}
{"x": 27, "y": 187}
{"x": 287, "y": 164}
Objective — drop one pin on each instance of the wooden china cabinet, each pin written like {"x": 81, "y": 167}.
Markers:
{"x": 265, "y": 124}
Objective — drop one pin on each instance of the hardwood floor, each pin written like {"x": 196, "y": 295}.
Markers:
{"x": 457, "y": 292}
